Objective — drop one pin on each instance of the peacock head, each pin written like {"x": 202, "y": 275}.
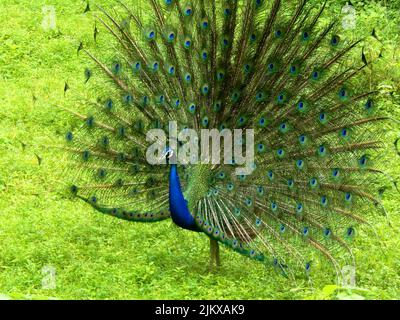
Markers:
{"x": 168, "y": 154}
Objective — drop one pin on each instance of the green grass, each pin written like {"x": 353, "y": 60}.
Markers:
{"x": 97, "y": 257}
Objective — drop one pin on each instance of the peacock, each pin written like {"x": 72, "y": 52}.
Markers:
{"x": 280, "y": 78}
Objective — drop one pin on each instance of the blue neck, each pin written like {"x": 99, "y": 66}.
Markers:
{"x": 177, "y": 204}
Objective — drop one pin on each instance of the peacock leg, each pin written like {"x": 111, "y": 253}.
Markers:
{"x": 214, "y": 253}
{"x": 217, "y": 258}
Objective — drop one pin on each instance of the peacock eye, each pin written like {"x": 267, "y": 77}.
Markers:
{"x": 335, "y": 172}
{"x": 151, "y": 35}
{"x": 369, "y": 105}
{"x": 335, "y": 40}
{"x": 69, "y": 136}
{"x": 350, "y": 232}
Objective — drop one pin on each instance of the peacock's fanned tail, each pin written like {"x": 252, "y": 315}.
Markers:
{"x": 278, "y": 67}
